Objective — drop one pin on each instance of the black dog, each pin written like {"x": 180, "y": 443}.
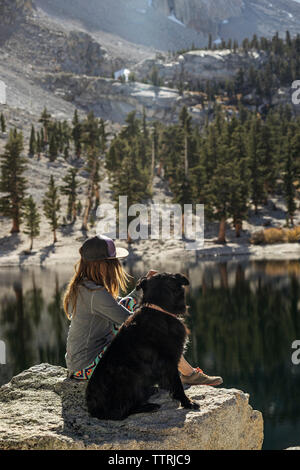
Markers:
{"x": 145, "y": 352}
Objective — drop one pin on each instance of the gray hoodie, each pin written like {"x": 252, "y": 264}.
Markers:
{"x": 91, "y": 326}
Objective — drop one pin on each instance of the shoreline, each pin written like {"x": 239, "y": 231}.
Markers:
{"x": 60, "y": 254}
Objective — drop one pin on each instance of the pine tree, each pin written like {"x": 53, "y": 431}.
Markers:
{"x": 219, "y": 188}
{"x": 70, "y": 190}
{"x": 209, "y": 42}
{"x": 45, "y": 120}
{"x": 144, "y": 125}
{"x": 289, "y": 179}
{"x": 79, "y": 208}
{"x": 12, "y": 182}
{"x": 38, "y": 145}
{"x": 42, "y": 139}
{"x": 32, "y": 142}
{"x": 91, "y": 139}
{"x": 132, "y": 127}
{"x": 130, "y": 179}
{"x": 103, "y": 135}
{"x": 77, "y": 133}
{"x": 53, "y": 148}
{"x": 2, "y": 123}
{"x": 185, "y": 122}
{"x": 51, "y": 204}
{"x": 255, "y": 162}
{"x": 240, "y": 179}
{"x": 32, "y": 220}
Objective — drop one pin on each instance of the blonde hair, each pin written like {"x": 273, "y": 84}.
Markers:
{"x": 108, "y": 273}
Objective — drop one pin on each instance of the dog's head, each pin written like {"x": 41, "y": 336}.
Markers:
{"x": 165, "y": 290}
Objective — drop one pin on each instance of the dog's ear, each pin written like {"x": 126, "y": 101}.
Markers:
{"x": 183, "y": 280}
{"x": 141, "y": 283}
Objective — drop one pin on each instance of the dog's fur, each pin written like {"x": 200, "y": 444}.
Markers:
{"x": 145, "y": 352}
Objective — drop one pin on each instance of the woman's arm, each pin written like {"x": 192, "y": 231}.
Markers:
{"x": 103, "y": 304}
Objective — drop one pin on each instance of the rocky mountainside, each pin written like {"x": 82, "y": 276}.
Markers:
{"x": 13, "y": 11}
{"x": 200, "y": 14}
{"x": 234, "y": 18}
{"x": 172, "y": 24}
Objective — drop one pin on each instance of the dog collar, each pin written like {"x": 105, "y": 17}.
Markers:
{"x": 156, "y": 307}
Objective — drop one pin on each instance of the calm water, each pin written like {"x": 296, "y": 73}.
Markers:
{"x": 244, "y": 317}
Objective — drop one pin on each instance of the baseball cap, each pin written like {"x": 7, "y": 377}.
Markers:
{"x": 100, "y": 248}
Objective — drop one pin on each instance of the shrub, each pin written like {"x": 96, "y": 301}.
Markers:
{"x": 275, "y": 235}
{"x": 257, "y": 238}
{"x": 293, "y": 235}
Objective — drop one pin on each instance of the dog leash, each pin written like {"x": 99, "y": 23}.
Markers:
{"x": 156, "y": 307}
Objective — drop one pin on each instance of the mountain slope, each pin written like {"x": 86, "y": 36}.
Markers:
{"x": 176, "y": 24}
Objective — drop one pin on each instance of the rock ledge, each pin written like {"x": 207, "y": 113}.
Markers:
{"x": 42, "y": 409}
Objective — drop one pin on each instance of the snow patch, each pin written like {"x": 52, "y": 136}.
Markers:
{"x": 172, "y": 17}
{"x": 218, "y": 41}
{"x": 122, "y": 73}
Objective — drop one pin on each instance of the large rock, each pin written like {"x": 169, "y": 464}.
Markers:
{"x": 200, "y": 14}
{"x": 113, "y": 100}
{"x": 199, "y": 65}
{"x": 42, "y": 409}
{"x": 12, "y": 11}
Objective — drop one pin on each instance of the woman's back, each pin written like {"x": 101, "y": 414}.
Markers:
{"x": 92, "y": 324}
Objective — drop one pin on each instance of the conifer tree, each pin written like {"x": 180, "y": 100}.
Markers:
{"x": 185, "y": 122}
{"x": 53, "y": 148}
{"x": 12, "y": 182}
{"x": 45, "y": 120}
{"x": 32, "y": 220}
{"x": 91, "y": 139}
{"x": 240, "y": 178}
{"x": 130, "y": 179}
{"x": 51, "y": 205}
{"x": 2, "y": 123}
{"x": 132, "y": 127}
{"x": 77, "y": 133}
{"x": 70, "y": 190}
{"x": 255, "y": 162}
{"x": 38, "y": 145}
{"x": 219, "y": 188}
{"x": 42, "y": 139}
{"x": 103, "y": 136}
{"x": 144, "y": 125}
{"x": 289, "y": 179}
{"x": 32, "y": 142}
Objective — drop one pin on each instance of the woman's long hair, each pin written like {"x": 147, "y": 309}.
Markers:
{"x": 107, "y": 273}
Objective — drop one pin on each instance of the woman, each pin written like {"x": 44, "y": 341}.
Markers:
{"x": 91, "y": 303}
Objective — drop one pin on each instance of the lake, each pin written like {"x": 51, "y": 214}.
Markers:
{"x": 244, "y": 317}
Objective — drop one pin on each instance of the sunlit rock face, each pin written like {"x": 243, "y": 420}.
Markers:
{"x": 43, "y": 410}
{"x": 202, "y": 15}
{"x": 13, "y": 10}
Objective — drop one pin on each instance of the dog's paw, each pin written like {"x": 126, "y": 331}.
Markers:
{"x": 191, "y": 405}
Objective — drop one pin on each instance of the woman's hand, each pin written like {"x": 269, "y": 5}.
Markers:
{"x": 151, "y": 273}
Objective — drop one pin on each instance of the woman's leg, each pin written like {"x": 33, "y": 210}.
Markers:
{"x": 184, "y": 367}
{"x": 196, "y": 376}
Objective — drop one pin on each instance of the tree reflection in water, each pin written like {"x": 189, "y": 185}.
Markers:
{"x": 243, "y": 319}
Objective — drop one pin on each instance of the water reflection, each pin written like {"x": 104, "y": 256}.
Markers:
{"x": 243, "y": 319}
